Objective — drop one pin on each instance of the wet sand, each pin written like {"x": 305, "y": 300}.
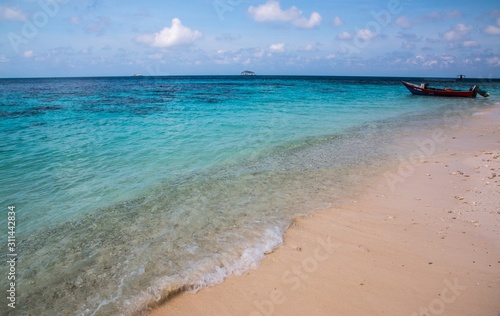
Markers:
{"x": 423, "y": 239}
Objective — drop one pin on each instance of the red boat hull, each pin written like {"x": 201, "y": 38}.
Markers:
{"x": 424, "y": 90}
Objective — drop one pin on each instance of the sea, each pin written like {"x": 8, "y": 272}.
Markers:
{"x": 127, "y": 191}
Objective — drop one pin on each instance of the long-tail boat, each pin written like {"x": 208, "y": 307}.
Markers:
{"x": 424, "y": 89}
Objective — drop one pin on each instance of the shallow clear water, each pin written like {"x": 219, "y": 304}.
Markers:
{"x": 130, "y": 189}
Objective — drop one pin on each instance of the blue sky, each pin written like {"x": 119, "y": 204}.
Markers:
{"x": 45, "y": 38}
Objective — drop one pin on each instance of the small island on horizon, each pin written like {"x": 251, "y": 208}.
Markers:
{"x": 247, "y": 73}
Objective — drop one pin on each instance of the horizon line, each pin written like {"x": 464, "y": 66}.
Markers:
{"x": 239, "y": 75}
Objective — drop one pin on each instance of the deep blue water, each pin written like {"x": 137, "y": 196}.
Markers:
{"x": 131, "y": 188}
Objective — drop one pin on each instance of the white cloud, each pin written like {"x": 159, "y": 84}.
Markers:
{"x": 98, "y": 26}
{"x": 74, "y": 20}
{"x": 492, "y": 30}
{"x": 272, "y": 12}
{"x": 86, "y": 51}
{"x": 441, "y": 16}
{"x": 28, "y": 54}
{"x": 451, "y": 46}
{"x": 259, "y": 53}
{"x": 494, "y": 61}
{"x": 448, "y": 59}
{"x": 308, "y": 48}
{"x": 462, "y": 28}
{"x": 337, "y": 21}
{"x": 227, "y": 60}
{"x": 228, "y": 37}
{"x": 411, "y": 61}
{"x": 470, "y": 44}
{"x": 430, "y": 63}
{"x": 176, "y": 34}
{"x": 366, "y": 34}
{"x": 3, "y": 59}
{"x": 403, "y": 22}
{"x": 344, "y": 36}
{"x": 313, "y": 21}
{"x": 458, "y": 32}
{"x": 277, "y": 48}
{"x": 455, "y": 14}
{"x": 408, "y": 46}
{"x": 433, "y": 16}
{"x": 12, "y": 14}
{"x": 155, "y": 56}
{"x": 312, "y": 47}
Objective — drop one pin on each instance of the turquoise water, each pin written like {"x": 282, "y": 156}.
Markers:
{"x": 130, "y": 189}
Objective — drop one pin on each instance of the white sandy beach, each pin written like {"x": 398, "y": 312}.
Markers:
{"x": 424, "y": 241}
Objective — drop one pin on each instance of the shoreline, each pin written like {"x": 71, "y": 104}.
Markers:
{"x": 422, "y": 238}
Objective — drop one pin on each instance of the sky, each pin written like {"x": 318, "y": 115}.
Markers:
{"x": 70, "y": 38}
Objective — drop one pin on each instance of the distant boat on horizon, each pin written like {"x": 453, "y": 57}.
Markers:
{"x": 247, "y": 73}
{"x": 136, "y": 75}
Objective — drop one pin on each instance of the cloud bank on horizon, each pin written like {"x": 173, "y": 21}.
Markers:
{"x": 44, "y": 38}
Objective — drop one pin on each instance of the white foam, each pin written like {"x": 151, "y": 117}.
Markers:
{"x": 198, "y": 278}
{"x": 249, "y": 259}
